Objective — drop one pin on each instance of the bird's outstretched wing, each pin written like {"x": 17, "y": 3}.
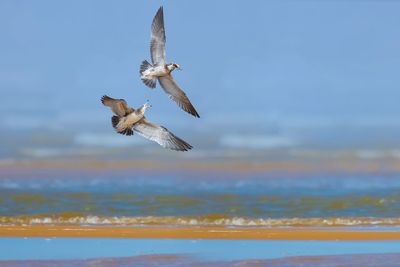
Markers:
{"x": 175, "y": 93}
{"x": 118, "y": 106}
{"x": 157, "y": 42}
{"x": 160, "y": 135}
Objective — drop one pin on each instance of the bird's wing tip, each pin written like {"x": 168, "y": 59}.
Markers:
{"x": 103, "y": 98}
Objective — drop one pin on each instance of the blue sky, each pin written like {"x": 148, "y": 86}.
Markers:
{"x": 255, "y": 61}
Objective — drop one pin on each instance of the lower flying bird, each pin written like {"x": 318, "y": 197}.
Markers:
{"x": 160, "y": 70}
{"x": 128, "y": 120}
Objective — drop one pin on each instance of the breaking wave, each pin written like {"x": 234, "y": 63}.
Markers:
{"x": 206, "y": 220}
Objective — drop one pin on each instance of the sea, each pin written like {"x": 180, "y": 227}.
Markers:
{"x": 134, "y": 197}
{"x": 140, "y": 197}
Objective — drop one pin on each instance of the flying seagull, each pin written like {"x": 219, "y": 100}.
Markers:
{"x": 160, "y": 70}
{"x": 128, "y": 120}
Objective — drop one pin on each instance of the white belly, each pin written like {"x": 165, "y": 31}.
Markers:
{"x": 154, "y": 72}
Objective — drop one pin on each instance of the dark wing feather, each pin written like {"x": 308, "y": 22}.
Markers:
{"x": 160, "y": 135}
{"x": 126, "y": 131}
{"x": 158, "y": 39}
{"x": 176, "y": 94}
{"x": 118, "y": 106}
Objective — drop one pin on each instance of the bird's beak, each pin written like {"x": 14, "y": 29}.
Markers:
{"x": 179, "y": 68}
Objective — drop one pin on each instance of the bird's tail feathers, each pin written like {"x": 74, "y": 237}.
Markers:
{"x": 144, "y": 66}
{"x": 148, "y": 82}
{"x": 115, "y": 121}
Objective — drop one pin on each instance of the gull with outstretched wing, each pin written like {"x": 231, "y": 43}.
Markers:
{"x": 128, "y": 120}
{"x": 160, "y": 70}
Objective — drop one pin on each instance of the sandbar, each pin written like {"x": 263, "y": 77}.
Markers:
{"x": 180, "y": 232}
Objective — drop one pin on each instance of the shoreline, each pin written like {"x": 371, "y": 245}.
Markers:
{"x": 178, "y": 232}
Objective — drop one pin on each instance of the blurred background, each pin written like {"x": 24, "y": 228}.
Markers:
{"x": 270, "y": 79}
{"x": 299, "y": 125}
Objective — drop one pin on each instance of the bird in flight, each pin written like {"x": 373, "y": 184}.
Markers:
{"x": 128, "y": 121}
{"x": 160, "y": 70}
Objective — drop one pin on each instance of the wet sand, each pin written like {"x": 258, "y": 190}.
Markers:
{"x": 236, "y": 233}
{"x": 185, "y": 260}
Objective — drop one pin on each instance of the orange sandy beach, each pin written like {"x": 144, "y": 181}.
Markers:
{"x": 296, "y": 233}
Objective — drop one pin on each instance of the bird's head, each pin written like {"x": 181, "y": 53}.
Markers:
{"x": 173, "y": 66}
{"x": 146, "y": 105}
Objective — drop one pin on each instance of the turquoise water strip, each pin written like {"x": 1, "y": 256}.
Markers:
{"x": 84, "y": 248}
